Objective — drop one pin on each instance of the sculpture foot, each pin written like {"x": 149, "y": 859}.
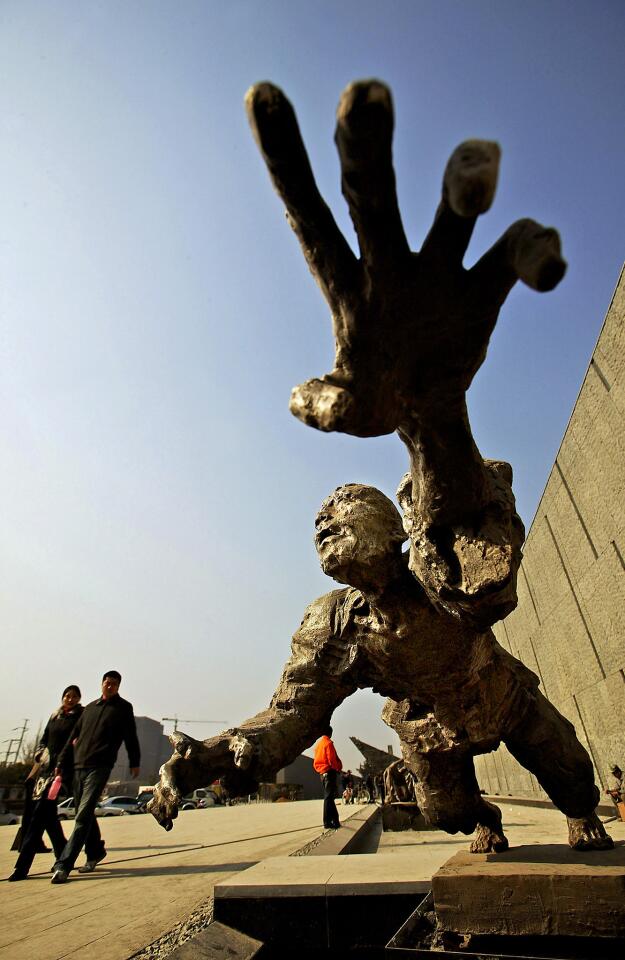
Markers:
{"x": 588, "y": 833}
{"x": 489, "y": 841}
{"x": 489, "y": 836}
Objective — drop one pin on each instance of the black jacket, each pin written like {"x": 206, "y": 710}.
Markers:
{"x": 58, "y": 732}
{"x": 99, "y": 733}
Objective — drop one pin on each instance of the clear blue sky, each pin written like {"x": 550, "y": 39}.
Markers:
{"x": 157, "y": 496}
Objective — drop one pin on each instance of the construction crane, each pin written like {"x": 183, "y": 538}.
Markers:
{"x": 176, "y": 721}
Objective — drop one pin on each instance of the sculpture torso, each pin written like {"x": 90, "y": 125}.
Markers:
{"x": 410, "y": 651}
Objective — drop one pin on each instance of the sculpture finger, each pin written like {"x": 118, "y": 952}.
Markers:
{"x": 184, "y": 745}
{"x": 527, "y": 251}
{"x": 469, "y": 186}
{"x": 277, "y": 134}
{"x": 164, "y": 803}
{"x": 470, "y": 179}
{"x": 330, "y": 406}
{"x": 364, "y": 133}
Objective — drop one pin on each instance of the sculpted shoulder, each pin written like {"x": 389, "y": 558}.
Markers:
{"x": 328, "y": 612}
{"x": 328, "y": 637}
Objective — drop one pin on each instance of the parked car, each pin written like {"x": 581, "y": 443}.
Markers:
{"x": 7, "y": 817}
{"x": 66, "y": 810}
{"x": 112, "y": 807}
{"x": 115, "y": 806}
{"x": 143, "y": 798}
{"x": 200, "y": 799}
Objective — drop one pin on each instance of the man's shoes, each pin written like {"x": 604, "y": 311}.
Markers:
{"x": 16, "y": 875}
{"x": 90, "y": 865}
{"x": 59, "y": 876}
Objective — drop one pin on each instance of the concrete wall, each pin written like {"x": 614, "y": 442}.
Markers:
{"x": 569, "y": 626}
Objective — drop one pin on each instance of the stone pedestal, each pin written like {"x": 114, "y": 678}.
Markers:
{"x": 533, "y": 890}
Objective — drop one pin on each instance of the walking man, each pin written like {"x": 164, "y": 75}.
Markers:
{"x": 96, "y": 738}
{"x": 328, "y": 765}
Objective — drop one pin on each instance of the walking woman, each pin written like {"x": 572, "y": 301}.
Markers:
{"x": 44, "y": 813}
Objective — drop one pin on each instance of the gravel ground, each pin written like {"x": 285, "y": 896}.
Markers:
{"x": 200, "y": 919}
{"x": 182, "y": 932}
{"x": 303, "y": 851}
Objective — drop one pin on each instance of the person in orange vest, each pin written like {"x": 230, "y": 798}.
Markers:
{"x": 328, "y": 765}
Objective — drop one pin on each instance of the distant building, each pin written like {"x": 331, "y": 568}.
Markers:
{"x": 155, "y": 750}
{"x": 301, "y": 772}
{"x": 376, "y": 760}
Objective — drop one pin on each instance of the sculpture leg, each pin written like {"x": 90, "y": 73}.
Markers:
{"x": 546, "y": 744}
{"x": 449, "y": 797}
{"x": 446, "y": 786}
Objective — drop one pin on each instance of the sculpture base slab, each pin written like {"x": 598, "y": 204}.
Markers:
{"x": 533, "y": 890}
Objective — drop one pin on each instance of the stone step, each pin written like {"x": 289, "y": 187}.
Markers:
{"x": 325, "y": 902}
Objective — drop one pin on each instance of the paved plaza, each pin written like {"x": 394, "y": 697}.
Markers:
{"x": 152, "y": 879}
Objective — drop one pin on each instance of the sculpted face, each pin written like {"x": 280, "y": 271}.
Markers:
{"x": 357, "y": 532}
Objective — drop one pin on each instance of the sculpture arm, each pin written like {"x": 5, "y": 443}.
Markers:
{"x": 316, "y": 679}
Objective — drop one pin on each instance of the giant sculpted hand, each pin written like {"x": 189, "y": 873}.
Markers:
{"x": 411, "y": 329}
{"x": 195, "y": 764}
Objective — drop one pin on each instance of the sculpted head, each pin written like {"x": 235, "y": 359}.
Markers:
{"x": 358, "y": 535}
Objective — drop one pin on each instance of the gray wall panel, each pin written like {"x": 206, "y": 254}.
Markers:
{"x": 569, "y": 626}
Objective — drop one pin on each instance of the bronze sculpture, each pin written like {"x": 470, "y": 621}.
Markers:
{"x": 454, "y": 691}
{"x": 411, "y": 331}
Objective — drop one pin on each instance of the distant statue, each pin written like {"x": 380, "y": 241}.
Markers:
{"x": 399, "y": 784}
{"x": 411, "y": 331}
{"x": 454, "y": 691}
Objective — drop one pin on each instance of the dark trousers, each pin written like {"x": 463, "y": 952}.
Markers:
{"x": 43, "y": 817}
{"x": 330, "y": 813}
{"x": 27, "y": 812}
{"x": 88, "y": 787}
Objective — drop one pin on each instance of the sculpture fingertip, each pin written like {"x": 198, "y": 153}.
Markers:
{"x": 359, "y": 97}
{"x": 538, "y": 259}
{"x": 271, "y": 118}
{"x": 262, "y": 93}
{"x": 551, "y": 274}
{"x": 470, "y": 179}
